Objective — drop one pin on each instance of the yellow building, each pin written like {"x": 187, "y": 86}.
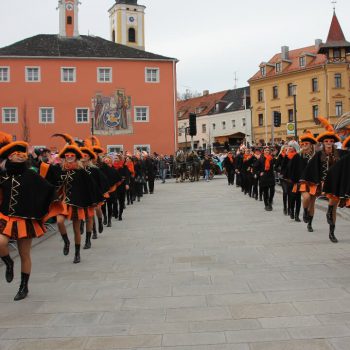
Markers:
{"x": 311, "y": 81}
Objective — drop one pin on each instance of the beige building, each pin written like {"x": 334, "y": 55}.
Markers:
{"x": 301, "y": 84}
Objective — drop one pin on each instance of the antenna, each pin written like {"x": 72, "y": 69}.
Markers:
{"x": 235, "y": 80}
{"x": 334, "y": 2}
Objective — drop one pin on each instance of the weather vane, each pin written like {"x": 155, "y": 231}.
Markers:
{"x": 334, "y": 2}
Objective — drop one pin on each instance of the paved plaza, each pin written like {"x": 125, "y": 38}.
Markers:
{"x": 194, "y": 266}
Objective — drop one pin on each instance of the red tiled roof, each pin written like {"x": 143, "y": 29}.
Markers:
{"x": 294, "y": 66}
{"x": 207, "y": 102}
{"x": 335, "y": 31}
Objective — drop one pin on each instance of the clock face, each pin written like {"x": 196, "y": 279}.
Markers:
{"x": 131, "y": 19}
{"x": 69, "y": 6}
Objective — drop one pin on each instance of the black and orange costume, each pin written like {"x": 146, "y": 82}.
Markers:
{"x": 317, "y": 169}
{"x": 27, "y": 202}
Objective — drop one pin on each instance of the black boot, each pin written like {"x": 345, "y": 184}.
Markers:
{"x": 77, "y": 254}
{"x": 331, "y": 234}
{"x": 100, "y": 225}
{"x": 329, "y": 215}
{"x": 297, "y": 216}
{"x": 105, "y": 220}
{"x": 94, "y": 232}
{"x": 285, "y": 211}
{"x": 9, "y": 267}
{"x": 306, "y": 216}
{"x": 23, "y": 288}
{"x": 309, "y": 224}
{"x": 66, "y": 244}
{"x": 87, "y": 241}
{"x": 109, "y": 223}
{"x": 120, "y": 218}
{"x": 82, "y": 224}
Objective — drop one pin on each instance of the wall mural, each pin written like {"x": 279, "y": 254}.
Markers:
{"x": 112, "y": 115}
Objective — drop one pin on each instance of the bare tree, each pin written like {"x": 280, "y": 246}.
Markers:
{"x": 188, "y": 94}
{"x": 25, "y": 125}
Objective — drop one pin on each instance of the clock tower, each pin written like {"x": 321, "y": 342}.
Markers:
{"x": 68, "y": 10}
{"x": 127, "y": 24}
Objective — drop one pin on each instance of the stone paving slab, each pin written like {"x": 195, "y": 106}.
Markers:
{"x": 193, "y": 267}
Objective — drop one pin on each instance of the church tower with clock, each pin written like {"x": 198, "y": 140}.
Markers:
{"x": 68, "y": 10}
{"x": 127, "y": 24}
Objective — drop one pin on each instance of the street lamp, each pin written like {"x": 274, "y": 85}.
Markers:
{"x": 294, "y": 93}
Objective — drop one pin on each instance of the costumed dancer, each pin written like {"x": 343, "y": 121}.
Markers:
{"x": 307, "y": 144}
{"x": 318, "y": 167}
{"x": 267, "y": 178}
{"x": 292, "y": 177}
{"x": 337, "y": 184}
{"x": 27, "y": 201}
{"x": 229, "y": 166}
{"x": 130, "y": 192}
{"x": 281, "y": 167}
{"x": 246, "y": 172}
{"x": 139, "y": 179}
{"x": 100, "y": 179}
{"x": 257, "y": 192}
{"x": 114, "y": 181}
{"x": 119, "y": 204}
{"x": 80, "y": 196}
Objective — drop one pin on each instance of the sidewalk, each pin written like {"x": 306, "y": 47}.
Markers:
{"x": 195, "y": 266}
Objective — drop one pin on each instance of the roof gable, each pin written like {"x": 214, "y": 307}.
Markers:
{"x": 46, "y": 45}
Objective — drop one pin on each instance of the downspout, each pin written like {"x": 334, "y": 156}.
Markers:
{"x": 175, "y": 104}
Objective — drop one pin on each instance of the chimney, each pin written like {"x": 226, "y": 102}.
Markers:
{"x": 285, "y": 52}
{"x": 318, "y": 42}
{"x": 205, "y": 92}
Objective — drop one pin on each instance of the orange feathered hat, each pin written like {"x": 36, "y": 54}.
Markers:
{"x": 7, "y": 146}
{"x": 71, "y": 149}
{"x": 329, "y": 134}
{"x": 307, "y": 136}
{"x": 96, "y": 145}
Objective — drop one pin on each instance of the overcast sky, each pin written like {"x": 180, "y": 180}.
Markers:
{"x": 211, "y": 39}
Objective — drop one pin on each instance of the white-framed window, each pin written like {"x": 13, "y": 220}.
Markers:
{"x": 115, "y": 148}
{"x": 68, "y": 75}
{"x": 140, "y": 148}
{"x": 82, "y": 115}
{"x": 141, "y": 114}
{"x": 302, "y": 61}
{"x": 263, "y": 70}
{"x": 4, "y": 74}
{"x": 204, "y": 128}
{"x": 338, "y": 108}
{"x": 32, "y": 74}
{"x": 233, "y": 121}
{"x": 223, "y": 124}
{"x": 104, "y": 75}
{"x": 243, "y": 122}
{"x": 46, "y": 115}
{"x": 10, "y": 115}
{"x": 213, "y": 126}
{"x": 152, "y": 75}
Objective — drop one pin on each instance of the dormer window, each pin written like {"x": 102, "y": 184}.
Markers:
{"x": 263, "y": 71}
{"x": 278, "y": 67}
{"x": 302, "y": 61}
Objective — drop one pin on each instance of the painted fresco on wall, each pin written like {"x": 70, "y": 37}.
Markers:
{"x": 112, "y": 114}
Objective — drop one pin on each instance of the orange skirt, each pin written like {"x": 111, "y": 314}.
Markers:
{"x": 76, "y": 213}
{"x": 20, "y": 228}
{"x": 313, "y": 189}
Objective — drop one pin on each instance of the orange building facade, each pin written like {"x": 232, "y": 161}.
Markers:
{"x": 81, "y": 85}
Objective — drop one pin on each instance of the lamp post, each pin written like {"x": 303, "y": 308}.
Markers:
{"x": 294, "y": 92}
